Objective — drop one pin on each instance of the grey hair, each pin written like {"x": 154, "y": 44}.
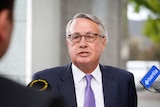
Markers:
{"x": 90, "y": 17}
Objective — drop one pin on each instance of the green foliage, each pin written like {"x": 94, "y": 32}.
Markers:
{"x": 152, "y": 5}
{"x": 152, "y": 29}
{"x": 152, "y": 25}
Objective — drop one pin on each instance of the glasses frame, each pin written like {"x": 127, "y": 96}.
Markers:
{"x": 80, "y": 37}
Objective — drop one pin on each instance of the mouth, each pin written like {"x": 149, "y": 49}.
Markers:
{"x": 83, "y": 54}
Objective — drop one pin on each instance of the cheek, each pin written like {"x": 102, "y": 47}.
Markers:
{"x": 72, "y": 50}
{"x": 98, "y": 49}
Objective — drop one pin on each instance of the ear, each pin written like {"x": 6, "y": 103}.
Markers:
{"x": 4, "y": 21}
{"x": 104, "y": 43}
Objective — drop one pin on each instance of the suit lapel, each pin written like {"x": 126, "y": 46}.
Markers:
{"x": 110, "y": 87}
{"x": 67, "y": 88}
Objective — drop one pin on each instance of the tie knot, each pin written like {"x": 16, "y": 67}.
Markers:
{"x": 88, "y": 78}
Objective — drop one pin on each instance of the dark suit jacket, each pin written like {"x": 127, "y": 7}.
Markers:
{"x": 118, "y": 85}
{"x": 13, "y": 94}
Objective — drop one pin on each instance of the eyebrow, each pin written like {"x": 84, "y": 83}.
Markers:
{"x": 85, "y": 32}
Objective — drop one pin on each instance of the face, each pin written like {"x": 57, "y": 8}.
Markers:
{"x": 5, "y": 31}
{"x": 83, "y": 52}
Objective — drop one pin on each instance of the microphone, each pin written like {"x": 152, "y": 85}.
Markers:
{"x": 40, "y": 85}
{"x": 149, "y": 80}
{"x": 43, "y": 86}
{"x": 156, "y": 86}
{"x": 150, "y": 77}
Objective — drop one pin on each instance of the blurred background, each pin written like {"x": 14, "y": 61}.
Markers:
{"x": 39, "y": 38}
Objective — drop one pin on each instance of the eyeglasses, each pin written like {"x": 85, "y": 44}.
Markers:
{"x": 89, "y": 37}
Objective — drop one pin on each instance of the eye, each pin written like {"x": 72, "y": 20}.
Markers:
{"x": 75, "y": 36}
{"x": 90, "y": 36}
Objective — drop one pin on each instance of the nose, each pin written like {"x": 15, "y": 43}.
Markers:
{"x": 83, "y": 42}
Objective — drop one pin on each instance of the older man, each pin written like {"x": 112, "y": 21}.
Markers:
{"x": 85, "y": 82}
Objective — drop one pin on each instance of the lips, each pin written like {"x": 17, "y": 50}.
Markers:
{"x": 83, "y": 54}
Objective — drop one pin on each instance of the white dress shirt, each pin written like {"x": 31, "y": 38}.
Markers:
{"x": 80, "y": 84}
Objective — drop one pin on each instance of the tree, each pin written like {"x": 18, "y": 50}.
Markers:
{"x": 152, "y": 24}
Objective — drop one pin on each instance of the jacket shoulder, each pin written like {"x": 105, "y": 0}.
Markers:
{"x": 54, "y": 72}
{"x": 50, "y": 71}
{"x": 116, "y": 71}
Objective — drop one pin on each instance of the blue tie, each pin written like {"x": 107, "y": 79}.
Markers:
{"x": 89, "y": 95}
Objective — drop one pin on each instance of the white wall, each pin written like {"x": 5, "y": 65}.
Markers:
{"x": 44, "y": 39}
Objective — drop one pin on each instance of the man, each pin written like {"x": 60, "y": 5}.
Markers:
{"x": 13, "y": 94}
{"x": 86, "y": 39}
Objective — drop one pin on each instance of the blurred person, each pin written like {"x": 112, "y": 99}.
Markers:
{"x": 85, "y": 82}
{"x": 13, "y": 94}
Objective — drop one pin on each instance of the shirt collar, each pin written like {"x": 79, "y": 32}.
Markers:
{"x": 78, "y": 75}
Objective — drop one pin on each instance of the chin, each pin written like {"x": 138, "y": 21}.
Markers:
{"x": 84, "y": 62}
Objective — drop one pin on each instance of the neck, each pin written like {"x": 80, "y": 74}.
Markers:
{"x": 87, "y": 68}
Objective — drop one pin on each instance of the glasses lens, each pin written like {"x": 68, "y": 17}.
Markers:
{"x": 75, "y": 38}
{"x": 90, "y": 37}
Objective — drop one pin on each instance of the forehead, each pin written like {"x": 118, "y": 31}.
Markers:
{"x": 83, "y": 25}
